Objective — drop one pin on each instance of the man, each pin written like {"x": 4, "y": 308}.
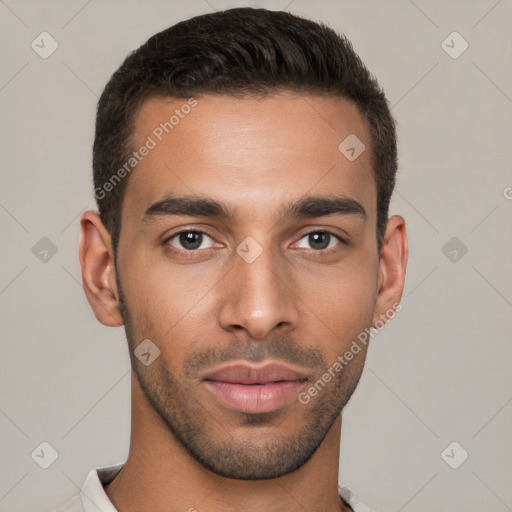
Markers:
{"x": 243, "y": 166}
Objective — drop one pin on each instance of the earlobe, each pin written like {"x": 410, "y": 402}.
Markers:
{"x": 98, "y": 270}
{"x": 392, "y": 267}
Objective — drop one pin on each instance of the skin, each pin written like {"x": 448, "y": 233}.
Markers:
{"x": 295, "y": 303}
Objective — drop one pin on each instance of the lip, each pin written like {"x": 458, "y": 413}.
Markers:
{"x": 255, "y": 388}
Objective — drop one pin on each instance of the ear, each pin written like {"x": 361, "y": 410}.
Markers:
{"x": 98, "y": 270}
{"x": 392, "y": 265}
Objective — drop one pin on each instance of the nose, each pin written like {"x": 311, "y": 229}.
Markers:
{"x": 258, "y": 298}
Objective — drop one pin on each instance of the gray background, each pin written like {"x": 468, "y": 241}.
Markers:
{"x": 438, "y": 373}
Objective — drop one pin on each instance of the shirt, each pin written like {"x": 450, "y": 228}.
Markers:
{"x": 93, "y": 498}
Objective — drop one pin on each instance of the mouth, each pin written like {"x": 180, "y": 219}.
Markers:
{"x": 255, "y": 389}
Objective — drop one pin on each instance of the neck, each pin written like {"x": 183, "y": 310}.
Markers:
{"x": 160, "y": 475}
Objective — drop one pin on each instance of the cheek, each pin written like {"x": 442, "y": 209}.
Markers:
{"x": 162, "y": 290}
{"x": 344, "y": 303}
{"x": 354, "y": 296}
{"x": 172, "y": 307}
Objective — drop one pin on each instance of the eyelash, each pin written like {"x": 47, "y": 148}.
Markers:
{"x": 192, "y": 253}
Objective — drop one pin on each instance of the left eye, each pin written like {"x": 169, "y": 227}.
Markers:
{"x": 320, "y": 240}
{"x": 189, "y": 240}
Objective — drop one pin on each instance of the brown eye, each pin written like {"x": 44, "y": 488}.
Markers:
{"x": 320, "y": 240}
{"x": 188, "y": 240}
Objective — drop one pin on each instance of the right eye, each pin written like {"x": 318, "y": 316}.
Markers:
{"x": 189, "y": 240}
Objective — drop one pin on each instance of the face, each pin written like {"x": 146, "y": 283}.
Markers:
{"x": 248, "y": 256}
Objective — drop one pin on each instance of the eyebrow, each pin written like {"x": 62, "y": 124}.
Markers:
{"x": 316, "y": 206}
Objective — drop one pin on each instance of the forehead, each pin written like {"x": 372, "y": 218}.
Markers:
{"x": 256, "y": 152}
